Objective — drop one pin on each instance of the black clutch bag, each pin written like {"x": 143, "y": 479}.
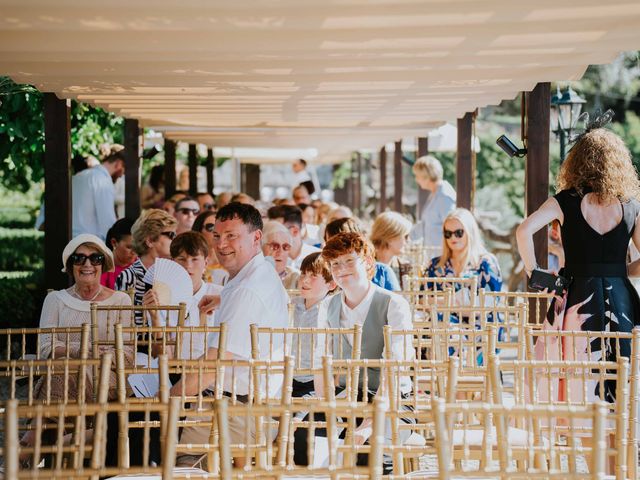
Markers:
{"x": 553, "y": 283}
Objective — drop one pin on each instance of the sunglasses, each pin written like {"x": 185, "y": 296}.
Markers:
{"x": 209, "y": 227}
{"x": 277, "y": 246}
{"x": 208, "y": 206}
{"x": 457, "y": 233}
{"x": 187, "y": 211}
{"x": 79, "y": 259}
{"x": 169, "y": 235}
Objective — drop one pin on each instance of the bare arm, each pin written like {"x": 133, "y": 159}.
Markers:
{"x": 548, "y": 211}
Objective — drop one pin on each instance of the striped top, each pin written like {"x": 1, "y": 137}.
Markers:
{"x": 132, "y": 278}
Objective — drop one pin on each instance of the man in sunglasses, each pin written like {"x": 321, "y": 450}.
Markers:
{"x": 186, "y": 211}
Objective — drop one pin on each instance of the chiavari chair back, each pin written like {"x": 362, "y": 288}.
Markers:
{"x": 538, "y": 302}
{"x": 42, "y": 343}
{"x": 537, "y": 450}
{"x": 465, "y": 289}
{"x": 59, "y": 380}
{"x": 189, "y": 343}
{"x": 245, "y": 382}
{"x": 306, "y": 345}
{"x": 335, "y": 421}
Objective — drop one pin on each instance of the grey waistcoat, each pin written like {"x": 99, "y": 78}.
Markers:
{"x": 372, "y": 332}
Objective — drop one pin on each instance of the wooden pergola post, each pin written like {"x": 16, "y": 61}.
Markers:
{"x": 423, "y": 195}
{"x": 465, "y": 165}
{"x": 251, "y": 180}
{"x": 357, "y": 180}
{"x": 210, "y": 168}
{"x": 193, "y": 170}
{"x": 397, "y": 177}
{"x": 340, "y": 194}
{"x": 383, "y": 179}
{"x": 169, "y": 168}
{"x": 57, "y": 195}
{"x": 132, "y": 152}
{"x": 537, "y": 166}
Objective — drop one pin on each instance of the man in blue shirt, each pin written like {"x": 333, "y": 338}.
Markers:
{"x": 93, "y": 195}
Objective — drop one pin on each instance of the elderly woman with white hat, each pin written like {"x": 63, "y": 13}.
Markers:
{"x": 84, "y": 258}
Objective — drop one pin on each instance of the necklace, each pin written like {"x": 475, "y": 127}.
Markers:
{"x": 77, "y": 293}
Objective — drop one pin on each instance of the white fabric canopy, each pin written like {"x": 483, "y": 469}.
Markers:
{"x": 332, "y": 75}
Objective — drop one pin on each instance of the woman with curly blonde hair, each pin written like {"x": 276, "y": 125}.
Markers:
{"x": 597, "y": 207}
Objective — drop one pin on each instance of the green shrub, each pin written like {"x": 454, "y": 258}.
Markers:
{"x": 21, "y": 296}
{"x": 17, "y": 217}
{"x": 21, "y": 249}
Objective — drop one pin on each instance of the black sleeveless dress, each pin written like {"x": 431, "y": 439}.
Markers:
{"x": 600, "y": 296}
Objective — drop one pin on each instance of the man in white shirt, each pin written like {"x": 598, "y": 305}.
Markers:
{"x": 253, "y": 294}
{"x": 291, "y": 217}
{"x": 93, "y": 195}
{"x": 302, "y": 176}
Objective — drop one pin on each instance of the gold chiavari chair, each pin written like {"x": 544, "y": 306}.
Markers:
{"x": 105, "y": 317}
{"x": 408, "y": 386}
{"x": 468, "y": 344}
{"x": 340, "y": 455}
{"x": 543, "y": 453}
{"x": 188, "y": 341}
{"x": 465, "y": 289}
{"x": 42, "y": 343}
{"x": 305, "y": 345}
{"x": 249, "y": 382}
{"x": 537, "y": 302}
{"x": 55, "y": 380}
{"x": 511, "y": 323}
{"x": 576, "y": 345}
{"x": 422, "y": 301}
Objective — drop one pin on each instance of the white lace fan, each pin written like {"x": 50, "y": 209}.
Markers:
{"x": 171, "y": 282}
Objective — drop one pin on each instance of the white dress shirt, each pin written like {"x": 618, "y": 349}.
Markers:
{"x": 254, "y": 295}
{"x": 304, "y": 251}
{"x": 193, "y": 345}
{"x": 93, "y": 202}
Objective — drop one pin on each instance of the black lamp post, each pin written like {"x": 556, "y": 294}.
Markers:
{"x": 565, "y": 110}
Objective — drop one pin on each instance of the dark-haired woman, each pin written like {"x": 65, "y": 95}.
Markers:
{"x": 121, "y": 244}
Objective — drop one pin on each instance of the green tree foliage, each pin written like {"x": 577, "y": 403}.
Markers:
{"x": 22, "y": 133}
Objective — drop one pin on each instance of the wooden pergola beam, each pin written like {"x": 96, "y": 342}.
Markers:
{"x": 169, "y": 168}
{"x": 57, "y": 196}
{"x": 132, "y": 152}
{"x": 397, "y": 177}
{"x": 465, "y": 164}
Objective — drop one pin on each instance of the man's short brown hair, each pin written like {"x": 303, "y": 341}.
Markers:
{"x": 316, "y": 265}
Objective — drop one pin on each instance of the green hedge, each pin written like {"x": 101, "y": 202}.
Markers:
{"x": 17, "y": 217}
{"x": 21, "y": 249}
{"x": 21, "y": 296}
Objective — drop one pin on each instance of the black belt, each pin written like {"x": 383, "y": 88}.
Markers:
{"x": 239, "y": 398}
{"x": 596, "y": 270}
